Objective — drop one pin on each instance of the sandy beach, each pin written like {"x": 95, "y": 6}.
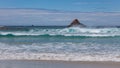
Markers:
{"x": 55, "y": 64}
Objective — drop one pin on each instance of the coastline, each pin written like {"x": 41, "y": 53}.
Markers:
{"x": 57, "y": 64}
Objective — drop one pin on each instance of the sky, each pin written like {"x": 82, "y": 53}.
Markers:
{"x": 59, "y": 12}
{"x": 66, "y": 5}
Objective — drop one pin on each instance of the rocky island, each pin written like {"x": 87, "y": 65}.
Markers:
{"x": 76, "y": 23}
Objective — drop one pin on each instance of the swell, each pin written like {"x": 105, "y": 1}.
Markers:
{"x": 56, "y": 36}
{"x": 66, "y": 32}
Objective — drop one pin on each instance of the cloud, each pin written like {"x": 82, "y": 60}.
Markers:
{"x": 92, "y": 2}
{"x": 51, "y": 17}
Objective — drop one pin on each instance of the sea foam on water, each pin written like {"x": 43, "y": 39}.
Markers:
{"x": 67, "y": 44}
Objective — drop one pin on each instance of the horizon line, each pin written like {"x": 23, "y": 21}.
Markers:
{"x": 66, "y": 10}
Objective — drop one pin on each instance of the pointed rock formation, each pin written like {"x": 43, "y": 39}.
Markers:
{"x": 76, "y": 23}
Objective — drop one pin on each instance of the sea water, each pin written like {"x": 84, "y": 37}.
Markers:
{"x": 60, "y": 43}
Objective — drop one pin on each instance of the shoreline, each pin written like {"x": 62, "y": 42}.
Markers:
{"x": 57, "y": 64}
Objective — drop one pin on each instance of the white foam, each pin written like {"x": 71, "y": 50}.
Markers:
{"x": 22, "y": 52}
{"x": 73, "y": 31}
{"x": 63, "y": 57}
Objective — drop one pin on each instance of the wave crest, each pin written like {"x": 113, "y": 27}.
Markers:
{"x": 73, "y": 31}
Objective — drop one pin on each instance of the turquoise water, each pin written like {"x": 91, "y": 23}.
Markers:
{"x": 60, "y": 43}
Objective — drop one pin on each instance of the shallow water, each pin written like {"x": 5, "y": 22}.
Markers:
{"x": 60, "y": 43}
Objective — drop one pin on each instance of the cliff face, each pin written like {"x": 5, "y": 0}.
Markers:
{"x": 76, "y": 23}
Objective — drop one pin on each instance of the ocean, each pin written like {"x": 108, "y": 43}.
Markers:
{"x": 60, "y": 43}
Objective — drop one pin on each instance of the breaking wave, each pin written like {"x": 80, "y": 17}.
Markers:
{"x": 61, "y": 44}
{"x": 73, "y": 31}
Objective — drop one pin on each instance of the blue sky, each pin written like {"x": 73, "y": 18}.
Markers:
{"x": 90, "y": 12}
{"x": 67, "y": 5}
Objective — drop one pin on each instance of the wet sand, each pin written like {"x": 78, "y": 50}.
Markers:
{"x": 56, "y": 64}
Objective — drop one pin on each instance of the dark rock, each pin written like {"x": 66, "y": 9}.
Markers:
{"x": 76, "y": 23}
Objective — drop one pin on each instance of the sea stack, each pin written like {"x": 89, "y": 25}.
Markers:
{"x": 76, "y": 23}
